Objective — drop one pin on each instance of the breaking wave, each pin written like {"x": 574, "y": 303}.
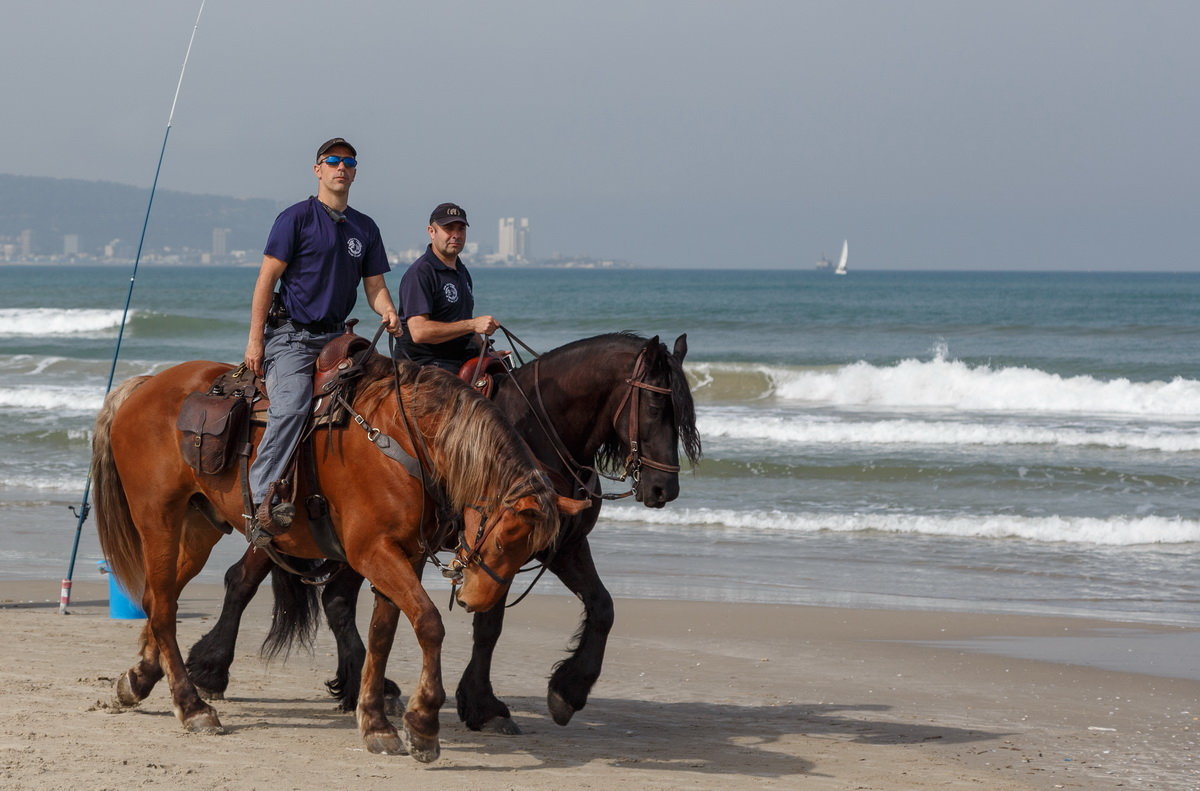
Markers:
{"x": 1111, "y": 531}
{"x": 942, "y": 384}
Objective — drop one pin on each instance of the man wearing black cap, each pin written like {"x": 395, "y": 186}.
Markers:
{"x": 437, "y": 303}
{"x": 318, "y": 251}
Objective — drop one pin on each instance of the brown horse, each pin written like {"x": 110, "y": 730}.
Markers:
{"x": 158, "y": 519}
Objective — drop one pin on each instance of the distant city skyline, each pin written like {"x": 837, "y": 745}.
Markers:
{"x": 934, "y": 135}
{"x": 184, "y": 232}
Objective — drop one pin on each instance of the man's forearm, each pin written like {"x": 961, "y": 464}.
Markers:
{"x": 423, "y": 330}
{"x": 378, "y": 296}
{"x": 260, "y": 304}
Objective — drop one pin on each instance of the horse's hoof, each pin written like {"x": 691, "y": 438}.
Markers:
{"x": 502, "y": 725}
{"x": 393, "y": 705}
{"x": 422, "y": 748}
{"x": 205, "y": 722}
{"x": 210, "y": 694}
{"x": 560, "y": 710}
{"x": 124, "y": 694}
{"x": 384, "y": 743}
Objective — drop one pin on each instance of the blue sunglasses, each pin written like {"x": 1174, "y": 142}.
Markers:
{"x": 351, "y": 162}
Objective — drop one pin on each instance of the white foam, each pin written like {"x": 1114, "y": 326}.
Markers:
{"x": 35, "y": 322}
{"x": 57, "y": 483}
{"x": 952, "y": 385}
{"x": 1111, "y": 531}
{"x": 52, "y": 397}
{"x": 806, "y": 430}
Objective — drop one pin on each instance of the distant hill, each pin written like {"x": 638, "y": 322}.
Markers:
{"x": 101, "y": 211}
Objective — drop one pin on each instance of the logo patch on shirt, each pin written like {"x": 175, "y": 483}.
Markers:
{"x": 354, "y": 247}
{"x": 451, "y": 292}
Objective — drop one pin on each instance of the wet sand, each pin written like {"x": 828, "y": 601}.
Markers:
{"x": 694, "y": 696}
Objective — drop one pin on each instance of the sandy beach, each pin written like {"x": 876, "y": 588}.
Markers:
{"x": 693, "y": 695}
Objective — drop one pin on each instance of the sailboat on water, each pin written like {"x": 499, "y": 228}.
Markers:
{"x": 841, "y": 265}
{"x": 825, "y": 265}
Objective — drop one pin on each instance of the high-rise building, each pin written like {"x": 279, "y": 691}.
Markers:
{"x": 220, "y": 243}
{"x": 71, "y": 244}
{"x": 504, "y": 245}
{"x": 27, "y": 243}
{"x": 513, "y": 245}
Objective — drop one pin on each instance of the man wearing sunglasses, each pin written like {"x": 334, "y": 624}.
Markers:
{"x": 437, "y": 299}
{"x": 318, "y": 252}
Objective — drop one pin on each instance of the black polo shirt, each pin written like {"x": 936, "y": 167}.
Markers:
{"x": 431, "y": 288}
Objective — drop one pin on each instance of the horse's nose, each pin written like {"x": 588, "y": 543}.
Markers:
{"x": 656, "y": 498}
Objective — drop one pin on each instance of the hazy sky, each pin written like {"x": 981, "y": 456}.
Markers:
{"x": 949, "y": 134}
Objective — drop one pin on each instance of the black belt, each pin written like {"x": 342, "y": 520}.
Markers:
{"x": 311, "y": 326}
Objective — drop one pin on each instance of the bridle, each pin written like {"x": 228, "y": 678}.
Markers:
{"x": 635, "y": 459}
{"x": 467, "y": 555}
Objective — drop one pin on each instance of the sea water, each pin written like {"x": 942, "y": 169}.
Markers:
{"x": 990, "y": 442}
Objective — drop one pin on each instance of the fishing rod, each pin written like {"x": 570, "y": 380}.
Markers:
{"x": 64, "y": 596}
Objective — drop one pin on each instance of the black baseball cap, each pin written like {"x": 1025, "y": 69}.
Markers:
{"x": 335, "y": 141}
{"x": 446, "y": 213}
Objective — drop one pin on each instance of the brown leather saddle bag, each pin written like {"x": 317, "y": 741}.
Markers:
{"x": 211, "y": 424}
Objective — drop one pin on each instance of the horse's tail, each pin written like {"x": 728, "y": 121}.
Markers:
{"x": 119, "y": 538}
{"x": 294, "y": 618}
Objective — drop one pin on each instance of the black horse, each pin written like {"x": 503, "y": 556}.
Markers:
{"x": 614, "y": 404}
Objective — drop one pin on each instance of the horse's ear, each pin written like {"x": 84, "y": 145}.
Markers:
{"x": 569, "y": 507}
{"x": 653, "y": 348}
{"x": 681, "y": 347}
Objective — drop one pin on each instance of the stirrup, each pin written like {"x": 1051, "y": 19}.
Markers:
{"x": 258, "y": 536}
{"x": 278, "y": 516}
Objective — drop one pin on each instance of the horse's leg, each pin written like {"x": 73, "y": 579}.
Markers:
{"x": 478, "y": 705}
{"x": 339, "y": 599}
{"x": 378, "y": 733}
{"x": 167, "y": 539}
{"x": 401, "y": 586}
{"x": 209, "y": 660}
{"x": 574, "y": 677}
{"x": 136, "y": 683}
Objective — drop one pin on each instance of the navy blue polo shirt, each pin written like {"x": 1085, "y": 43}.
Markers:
{"x": 431, "y": 288}
{"x": 326, "y": 260}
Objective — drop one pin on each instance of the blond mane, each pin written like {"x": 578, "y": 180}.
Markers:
{"x": 478, "y": 457}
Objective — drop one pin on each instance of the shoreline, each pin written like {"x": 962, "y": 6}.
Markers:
{"x": 693, "y": 694}
{"x": 644, "y": 561}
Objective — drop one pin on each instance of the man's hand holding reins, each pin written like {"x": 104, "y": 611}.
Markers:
{"x": 391, "y": 320}
{"x": 484, "y": 325}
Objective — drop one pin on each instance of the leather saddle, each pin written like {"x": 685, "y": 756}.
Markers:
{"x": 212, "y": 423}
{"x": 335, "y": 364}
{"x": 480, "y": 372}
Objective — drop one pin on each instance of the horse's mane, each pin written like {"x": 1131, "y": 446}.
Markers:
{"x": 610, "y": 458}
{"x": 478, "y": 456}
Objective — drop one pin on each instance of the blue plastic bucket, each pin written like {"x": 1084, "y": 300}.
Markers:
{"x": 120, "y": 605}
